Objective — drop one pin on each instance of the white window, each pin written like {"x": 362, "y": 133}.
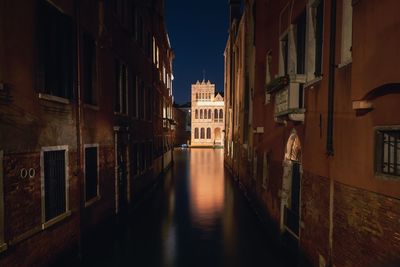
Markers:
{"x": 91, "y": 171}
{"x": 347, "y": 24}
{"x": 2, "y": 244}
{"x": 55, "y": 184}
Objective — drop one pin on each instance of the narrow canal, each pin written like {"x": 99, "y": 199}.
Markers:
{"x": 195, "y": 217}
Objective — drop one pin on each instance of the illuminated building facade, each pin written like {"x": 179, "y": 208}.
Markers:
{"x": 207, "y": 115}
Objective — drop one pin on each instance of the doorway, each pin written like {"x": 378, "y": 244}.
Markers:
{"x": 291, "y": 186}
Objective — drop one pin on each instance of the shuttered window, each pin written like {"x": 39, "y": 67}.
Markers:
{"x": 54, "y": 183}
{"x": 91, "y": 173}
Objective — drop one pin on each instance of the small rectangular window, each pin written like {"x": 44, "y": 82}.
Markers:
{"x": 55, "y": 189}
{"x": 388, "y": 152}
{"x": 91, "y": 173}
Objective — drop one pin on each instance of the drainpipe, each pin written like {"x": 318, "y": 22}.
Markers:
{"x": 329, "y": 141}
{"x": 79, "y": 139}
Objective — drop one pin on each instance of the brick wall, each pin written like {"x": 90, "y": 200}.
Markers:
{"x": 22, "y": 195}
{"x": 314, "y": 236}
{"x": 366, "y": 228}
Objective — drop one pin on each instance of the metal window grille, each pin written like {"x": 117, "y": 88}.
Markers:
{"x": 54, "y": 180}
{"x": 91, "y": 174}
{"x": 388, "y": 150}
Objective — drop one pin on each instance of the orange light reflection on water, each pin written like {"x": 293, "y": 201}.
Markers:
{"x": 206, "y": 186}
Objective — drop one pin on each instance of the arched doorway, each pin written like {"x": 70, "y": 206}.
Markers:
{"x": 290, "y": 205}
{"x": 217, "y": 136}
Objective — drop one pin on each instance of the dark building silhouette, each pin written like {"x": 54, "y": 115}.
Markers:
{"x": 85, "y": 124}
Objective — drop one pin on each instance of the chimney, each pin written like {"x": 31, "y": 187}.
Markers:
{"x": 234, "y": 10}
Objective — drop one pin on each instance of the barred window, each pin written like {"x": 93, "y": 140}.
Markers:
{"x": 388, "y": 152}
{"x": 54, "y": 165}
{"x": 91, "y": 173}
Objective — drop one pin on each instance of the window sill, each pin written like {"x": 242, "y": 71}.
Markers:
{"x": 387, "y": 177}
{"x": 56, "y": 220}
{"x": 54, "y": 98}
{"x": 3, "y": 247}
{"x": 92, "y": 201}
{"x": 92, "y": 107}
{"x": 313, "y": 81}
{"x": 344, "y": 63}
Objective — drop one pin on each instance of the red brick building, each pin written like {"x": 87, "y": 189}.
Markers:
{"x": 85, "y": 104}
{"x": 320, "y": 155}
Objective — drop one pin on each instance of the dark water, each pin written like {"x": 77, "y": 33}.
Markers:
{"x": 196, "y": 217}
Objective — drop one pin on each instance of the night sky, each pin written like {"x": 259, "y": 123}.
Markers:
{"x": 198, "y": 34}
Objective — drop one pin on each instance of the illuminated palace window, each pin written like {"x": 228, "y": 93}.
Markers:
{"x": 208, "y": 133}
{"x": 388, "y": 151}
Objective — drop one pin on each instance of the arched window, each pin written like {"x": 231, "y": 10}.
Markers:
{"x": 205, "y": 114}
{"x": 202, "y": 133}
{"x": 201, "y": 113}
{"x": 197, "y": 96}
{"x": 209, "y": 114}
{"x": 221, "y": 114}
{"x": 196, "y": 133}
{"x": 208, "y": 133}
{"x": 215, "y": 114}
{"x": 196, "y": 114}
{"x": 209, "y": 96}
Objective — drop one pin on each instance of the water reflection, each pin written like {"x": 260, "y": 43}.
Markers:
{"x": 196, "y": 217}
{"x": 206, "y": 187}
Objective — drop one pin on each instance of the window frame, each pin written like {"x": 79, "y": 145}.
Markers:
{"x": 89, "y": 202}
{"x": 379, "y": 150}
{"x": 48, "y": 69}
{"x": 67, "y": 211}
